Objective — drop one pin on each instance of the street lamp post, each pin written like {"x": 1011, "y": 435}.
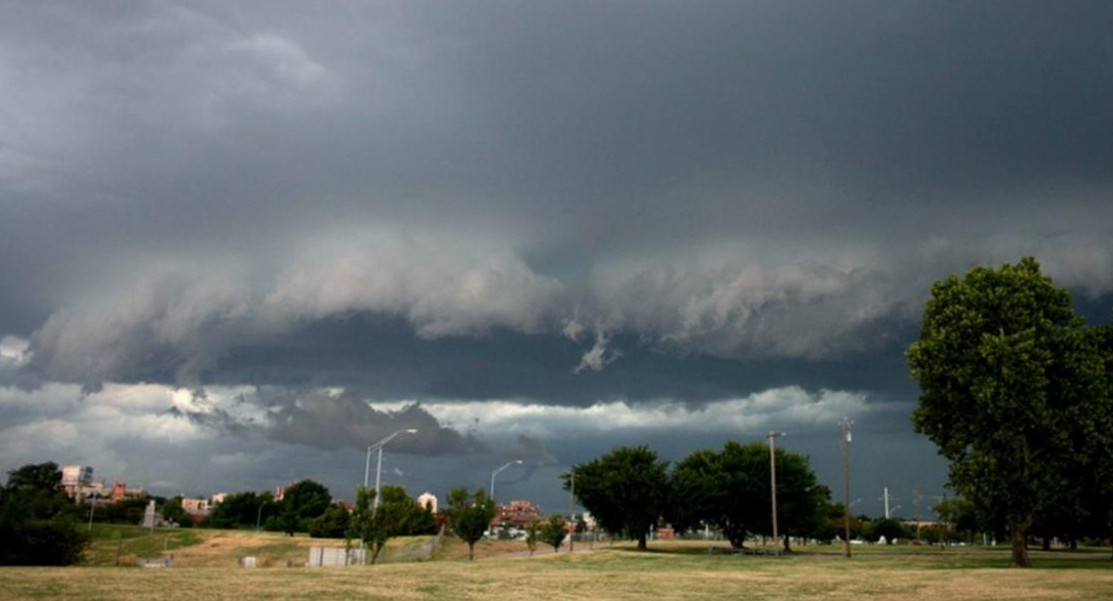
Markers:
{"x": 379, "y": 464}
{"x": 846, "y": 438}
{"x": 773, "y": 478}
{"x": 497, "y": 471}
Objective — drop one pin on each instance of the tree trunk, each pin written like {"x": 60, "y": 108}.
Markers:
{"x": 1020, "y": 549}
{"x": 471, "y": 551}
{"x": 788, "y": 548}
{"x": 641, "y": 542}
{"x": 1074, "y": 544}
{"x": 1046, "y": 543}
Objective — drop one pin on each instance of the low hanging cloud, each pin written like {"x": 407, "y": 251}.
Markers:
{"x": 175, "y": 323}
{"x": 326, "y": 419}
{"x": 782, "y": 408}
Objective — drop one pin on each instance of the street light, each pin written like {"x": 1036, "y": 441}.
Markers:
{"x": 379, "y": 465}
{"x": 773, "y": 478}
{"x": 845, "y": 442}
{"x": 496, "y": 472}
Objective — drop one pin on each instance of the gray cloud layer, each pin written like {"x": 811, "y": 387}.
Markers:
{"x": 561, "y": 202}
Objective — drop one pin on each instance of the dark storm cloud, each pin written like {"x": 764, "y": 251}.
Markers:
{"x": 559, "y": 201}
{"x": 344, "y": 419}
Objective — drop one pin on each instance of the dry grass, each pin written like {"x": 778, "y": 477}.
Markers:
{"x": 674, "y": 571}
{"x": 200, "y": 548}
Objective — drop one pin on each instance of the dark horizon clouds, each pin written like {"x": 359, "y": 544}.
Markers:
{"x": 581, "y": 206}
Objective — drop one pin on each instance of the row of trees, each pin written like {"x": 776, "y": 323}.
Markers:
{"x": 1017, "y": 392}
{"x": 630, "y": 490}
{"x": 307, "y": 506}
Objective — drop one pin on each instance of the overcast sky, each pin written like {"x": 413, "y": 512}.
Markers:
{"x": 241, "y": 240}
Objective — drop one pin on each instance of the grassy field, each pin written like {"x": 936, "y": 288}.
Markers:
{"x": 115, "y": 545}
{"x": 668, "y": 571}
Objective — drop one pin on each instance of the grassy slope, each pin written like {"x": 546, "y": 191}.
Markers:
{"x": 124, "y": 545}
{"x": 674, "y": 571}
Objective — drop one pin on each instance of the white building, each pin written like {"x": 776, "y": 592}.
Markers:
{"x": 428, "y": 499}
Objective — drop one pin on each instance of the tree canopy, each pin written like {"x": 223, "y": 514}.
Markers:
{"x": 730, "y": 490}
{"x": 38, "y": 524}
{"x": 1013, "y": 391}
{"x": 397, "y": 514}
{"x": 469, "y": 516}
{"x": 301, "y": 503}
{"x": 626, "y": 490}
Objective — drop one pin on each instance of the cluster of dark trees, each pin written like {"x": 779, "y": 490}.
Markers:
{"x": 630, "y": 490}
{"x": 307, "y": 506}
{"x": 1017, "y": 392}
{"x": 39, "y": 524}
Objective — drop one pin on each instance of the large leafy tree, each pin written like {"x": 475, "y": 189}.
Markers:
{"x": 242, "y": 510}
{"x": 397, "y": 514}
{"x": 469, "y": 516}
{"x": 1011, "y": 384}
{"x": 303, "y": 502}
{"x": 730, "y": 490}
{"x": 626, "y": 490}
{"x": 333, "y": 523}
{"x": 1098, "y": 445}
{"x": 37, "y": 520}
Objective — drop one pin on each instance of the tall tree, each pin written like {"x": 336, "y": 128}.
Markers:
{"x": 37, "y": 520}
{"x": 730, "y": 490}
{"x": 301, "y": 503}
{"x": 1098, "y": 444}
{"x": 625, "y": 490}
{"x": 469, "y": 516}
{"x": 1008, "y": 381}
{"x": 397, "y": 514}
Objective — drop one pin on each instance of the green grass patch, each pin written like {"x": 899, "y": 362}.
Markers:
{"x": 114, "y": 545}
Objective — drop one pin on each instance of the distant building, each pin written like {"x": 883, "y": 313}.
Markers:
{"x": 74, "y": 477}
{"x": 665, "y": 533}
{"x": 120, "y": 492}
{"x": 428, "y": 499}
{"x": 516, "y": 514}
{"x": 195, "y": 506}
{"x": 217, "y": 499}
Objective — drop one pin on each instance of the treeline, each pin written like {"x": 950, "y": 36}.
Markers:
{"x": 630, "y": 491}
{"x": 307, "y": 506}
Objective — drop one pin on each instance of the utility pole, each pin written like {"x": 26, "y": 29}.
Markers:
{"x": 773, "y": 480}
{"x": 846, "y": 423}
{"x": 886, "y": 497}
